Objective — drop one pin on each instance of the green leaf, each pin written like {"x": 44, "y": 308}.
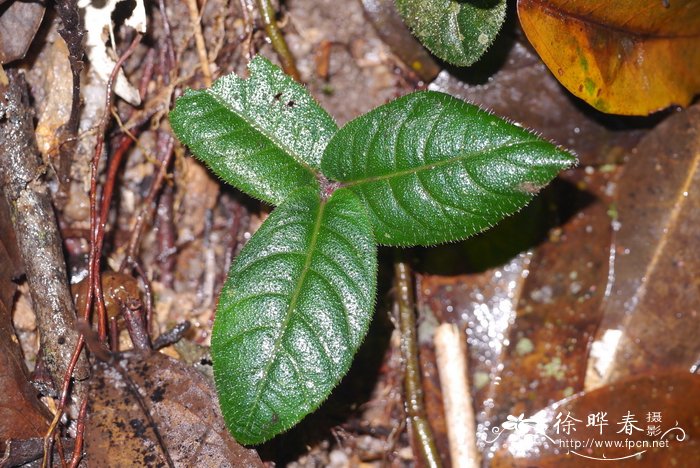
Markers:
{"x": 433, "y": 169}
{"x": 457, "y": 31}
{"x": 294, "y": 309}
{"x": 264, "y": 135}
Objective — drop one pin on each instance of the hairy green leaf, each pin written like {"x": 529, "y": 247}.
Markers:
{"x": 457, "y": 31}
{"x": 293, "y": 311}
{"x": 264, "y": 135}
{"x": 433, "y": 169}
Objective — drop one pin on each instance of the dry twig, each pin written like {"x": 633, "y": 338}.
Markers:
{"x": 199, "y": 41}
{"x": 267, "y": 13}
{"x": 415, "y": 409}
{"x": 21, "y": 175}
{"x": 451, "y": 354}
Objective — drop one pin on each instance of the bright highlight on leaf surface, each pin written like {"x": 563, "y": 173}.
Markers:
{"x": 434, "y": 169}
{"x": 424, "y": 169}
{"x": 264, "y": 135}
{"x": 630, "y": 57}
{"x": 457, "y": 31}
{"x": 294, "y": 310}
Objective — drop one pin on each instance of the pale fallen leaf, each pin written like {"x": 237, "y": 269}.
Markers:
{"x": 98, "y": 24}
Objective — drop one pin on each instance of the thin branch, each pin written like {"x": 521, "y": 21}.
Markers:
{"x": 199, "y": 41}
{"x": 94, "y": 289}
{"x": 267, "y": 13}
{"x": 451, "y": 355}
{"x": 166, "y": 144}
{"x": 413, "y": 389}
{"x": 21, "y": 181}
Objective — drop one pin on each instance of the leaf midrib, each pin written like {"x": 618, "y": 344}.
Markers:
{"x": 246, "y": 118}
{"x": 427, "y": 167}
{"x": 288, "y": 314}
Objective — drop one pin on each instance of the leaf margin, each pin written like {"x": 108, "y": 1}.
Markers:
{"x": 218, "y": 335}
{"x": 335, "y": 154}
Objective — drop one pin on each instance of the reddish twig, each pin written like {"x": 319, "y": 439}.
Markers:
{"x": 169, "y": 49}
{"x": 114, "y": 334}
{"x": 79, "y": 434}
{"x": 166, "y": 144}
{"x": 94, "y": 289}
{"x": 148, "y": 66}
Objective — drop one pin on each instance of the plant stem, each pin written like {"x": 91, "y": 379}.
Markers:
{"x": 415, "y": 410}
{"x": 267, "y": 13}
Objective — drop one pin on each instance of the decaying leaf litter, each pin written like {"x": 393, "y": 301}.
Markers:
{"x": 530, "y": 309}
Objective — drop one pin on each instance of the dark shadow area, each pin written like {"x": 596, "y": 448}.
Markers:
{"x": 555, "y": 205}
{"x": 617, "y": 122}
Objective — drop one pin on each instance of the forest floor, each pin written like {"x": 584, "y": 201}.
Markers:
{"x": 536, "y": 298}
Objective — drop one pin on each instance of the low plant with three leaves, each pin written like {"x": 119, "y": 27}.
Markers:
{"x": 424, "y": 169}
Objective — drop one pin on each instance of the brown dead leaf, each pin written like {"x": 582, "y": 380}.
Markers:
{"x": 484, "y": 304}
{"x": 531, "y": 320}
{"x": 653, "y": 296}
{"x": 662, "y": 407}
{"x": 25, "y": 451}
{"x": 21, "y": 413}
{"x": 481, "y": 303}
{"x": 55, "y": 109}
{"x": 558, "y": 313}
{"x": 183, "y": 405}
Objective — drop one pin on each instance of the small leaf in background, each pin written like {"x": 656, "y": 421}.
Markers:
{"x": 653, "y": 298}
{"x": 633, "y": 58}
{"x": 19, "y": 23}
{"x": 295, "y": 308}
{"x": 457, "y": 31}
{"x": 433, "y": 169}
{"x": 180, "y": 401}
{"x": 672, "y": 396}
{"x": 264, "y": 135}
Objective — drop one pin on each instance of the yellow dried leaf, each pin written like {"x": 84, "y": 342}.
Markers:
{"x": 630, "y": 57}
